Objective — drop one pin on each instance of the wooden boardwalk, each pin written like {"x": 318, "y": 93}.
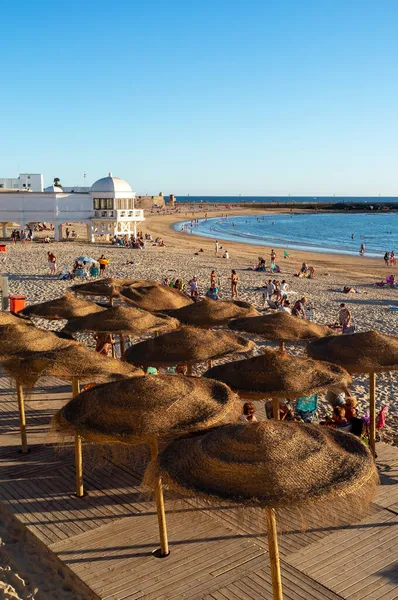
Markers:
{"x": 106, "y": 538}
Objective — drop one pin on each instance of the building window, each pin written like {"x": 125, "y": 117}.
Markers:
{"x": 96, "y": 204}
{"x": 123, "y": 203}
{"x": 109, "y": 203}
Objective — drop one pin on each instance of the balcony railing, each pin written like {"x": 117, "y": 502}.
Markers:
{"x": 119, "y": 214}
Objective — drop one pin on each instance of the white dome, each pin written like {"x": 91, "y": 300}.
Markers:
{"x": 110, "y": 184}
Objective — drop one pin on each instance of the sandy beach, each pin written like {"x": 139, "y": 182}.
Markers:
{"x": 27, "y": 265}
{"x": 28, "y": 275}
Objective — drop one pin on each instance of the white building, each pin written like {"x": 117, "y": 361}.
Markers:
{"x": 107, "y": 209}
{"x": 25, "y": 181}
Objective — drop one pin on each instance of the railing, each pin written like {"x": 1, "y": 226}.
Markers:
{"x": 133, "y": 214}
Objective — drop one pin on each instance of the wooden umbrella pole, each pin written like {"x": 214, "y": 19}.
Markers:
{"x": 79, "y": 487}
{"x": 210, "y": 364}
{"x": 275, "y": 409}
{"x": 372, "y": 412}
{"x": 189, "y": 369}
{"x": 274, "y": 553}
{"x": 122, "y": 346}
{"x": 111, "y": 301}
{"x": 22, "y": 420}
{"x": 282, "y": 347}
{"x": 164, "y": 544}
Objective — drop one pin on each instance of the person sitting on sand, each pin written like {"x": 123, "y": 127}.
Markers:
{"x": 285, "y": 307}
{"x": 351, "y": 404}
{"x": 212, "y": 292}
{"x": 104, "y": 343}
{"x": 303, "y": 271}
{"x": 338, "y": 419}
{"x": 299, "y": 308}
{"x": 226, "y": 255}
{"x": 248, "y": 413}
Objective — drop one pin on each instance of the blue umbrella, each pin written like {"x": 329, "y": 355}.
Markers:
{"x": 86, "y": 259}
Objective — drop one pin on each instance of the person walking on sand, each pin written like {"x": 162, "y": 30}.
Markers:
{"x": 217, "y": 247}
{"x": 273, "y": 255}
{"x": 345, "y": 319}
{"x": 52, "y": 262}
{"x": 234, "y": 284}
{"x": 362, "y": 249}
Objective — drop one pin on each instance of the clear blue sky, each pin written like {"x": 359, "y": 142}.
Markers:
{"x": 211, "y": 97}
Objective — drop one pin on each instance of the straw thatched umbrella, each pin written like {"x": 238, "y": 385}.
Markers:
{"x": 366, "y": 352}
{"x": 68, "y": 307}
{"x": 154, "y": 296}
{"x": 24, "y": 337}
{"x": 73, "y": 363}
{"x": 282, "y": 327}
{"x": 211, "y": 313}
{"x": 122, "y": 320}
{"x": 109, "y": 287}
{"x": 143, "y": 409}
{"x": 275, "y": 466}
{"x": 275, "y": 375}
{"x": 188, "y": 345}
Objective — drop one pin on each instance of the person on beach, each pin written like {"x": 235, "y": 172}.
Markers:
{"x": 362, "y": 249}
{"x": 299, "y": 308}
{"x": 194, "y": 285}
{"x": 285, "y": 307}
{"x": 248, "y": 413}
{"x": 217, "y": 247}
{"x": 103, "y": 262}
{"x": 104, "y": 343}
{"x": 345, "y": 319}
{"x": 270, "y": 288}
{"x": 234, "y": 284}
{"x": 392, "y": 258}
{"x": 387, "y": 259}
{"x": 52, "y": 263}
{"x": 226, "y": 254}
{"x": 273, "y": 255}
{"x": 213, "y": 279}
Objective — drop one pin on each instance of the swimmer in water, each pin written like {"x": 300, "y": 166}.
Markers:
{"x": 352, "y": 236}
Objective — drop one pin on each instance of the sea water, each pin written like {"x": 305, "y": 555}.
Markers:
{"x": 339, "y": 233}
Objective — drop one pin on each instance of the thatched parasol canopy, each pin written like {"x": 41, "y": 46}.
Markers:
{"x": 109, "y": 287}
{"x": 65, "y": 363}
{"x": 365, "y": 352}
{"x": 276, "y": 375}
{"x": 210, "y": 313}
{"x": 281, "y": 326}
{"x": 25, "y": 337}
{"x": 136, "y": 410}
{"x": 120, "y": 319}
{"x": 8, "y": 318}
{"x": 187, "y": 345}
{"x": 269, "y": 464}
{"x": 68, "y": 307}
{"x": 153, "y": 296}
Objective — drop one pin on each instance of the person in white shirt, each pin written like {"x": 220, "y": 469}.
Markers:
{"x": 284, "y": 286}
{"x": 285, "y": 307}
{"x": 217, "y": 247}
{"x": 270, "y": 289}
{"x": 226, "y": 255}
